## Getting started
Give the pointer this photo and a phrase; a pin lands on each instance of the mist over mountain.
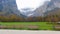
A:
(40, 10)
(35, 12)
(46, 7)
(27, 11)
(8, 7)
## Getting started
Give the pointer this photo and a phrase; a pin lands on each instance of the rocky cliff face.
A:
(8, 7)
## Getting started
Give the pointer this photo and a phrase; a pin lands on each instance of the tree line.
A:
(49, 18)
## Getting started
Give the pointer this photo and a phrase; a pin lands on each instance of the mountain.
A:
(53, 8)
(40, 10)
(53, 4)
(47, 7)
(54, 12)
(26, 11)
(8, 7)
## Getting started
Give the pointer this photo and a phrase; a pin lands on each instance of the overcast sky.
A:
(29, 3)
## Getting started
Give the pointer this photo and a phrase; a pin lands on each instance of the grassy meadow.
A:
(26, 25)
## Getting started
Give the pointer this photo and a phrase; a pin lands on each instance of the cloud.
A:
(29, 3)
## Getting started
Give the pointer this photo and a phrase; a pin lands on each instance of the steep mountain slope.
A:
(53, 4)
(40, 10)
(53, 8)
(48, 6)
(26, 11)
(8, 7)
(53, 12)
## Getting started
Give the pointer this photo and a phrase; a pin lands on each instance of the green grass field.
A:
(41, 25)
